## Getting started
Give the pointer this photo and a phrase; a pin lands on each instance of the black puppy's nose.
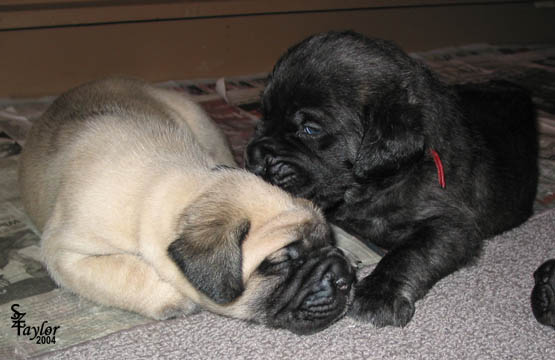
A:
(256, 156)
(256, 165)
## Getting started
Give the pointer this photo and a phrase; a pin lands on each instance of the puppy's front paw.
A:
(381, 302)
(543, 294)
(174, 311)
(168, 304)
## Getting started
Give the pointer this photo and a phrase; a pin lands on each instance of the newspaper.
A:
(234, 105)
(360, 254)
(78, 320)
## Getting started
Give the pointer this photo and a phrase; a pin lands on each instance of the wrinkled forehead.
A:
(312, 98)
(303, 225)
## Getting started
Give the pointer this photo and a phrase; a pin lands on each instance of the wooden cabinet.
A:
(47, 46)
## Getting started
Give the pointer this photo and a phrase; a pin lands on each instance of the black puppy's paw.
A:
(543, 294)
(382, 302)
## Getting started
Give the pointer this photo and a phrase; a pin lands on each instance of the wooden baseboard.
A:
(49, 59)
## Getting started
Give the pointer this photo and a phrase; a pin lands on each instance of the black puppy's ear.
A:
(393, 137)
(208, 251)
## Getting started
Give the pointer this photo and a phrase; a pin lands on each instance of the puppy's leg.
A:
(120, 280)
(435, 249)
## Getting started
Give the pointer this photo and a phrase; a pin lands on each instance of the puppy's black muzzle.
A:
(317, 293)
(335, 281)
(264, 159)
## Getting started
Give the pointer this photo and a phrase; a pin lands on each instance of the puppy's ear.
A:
(393, 137)
(208, 250)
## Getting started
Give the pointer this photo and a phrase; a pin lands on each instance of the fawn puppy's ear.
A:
(208, 249)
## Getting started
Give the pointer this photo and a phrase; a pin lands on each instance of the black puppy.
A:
(543, 294)
(397, 158)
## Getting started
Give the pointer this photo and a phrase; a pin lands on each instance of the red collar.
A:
(439, 166)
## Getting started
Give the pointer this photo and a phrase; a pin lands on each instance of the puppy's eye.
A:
(283, 260)
(311, 130)
(274, 266)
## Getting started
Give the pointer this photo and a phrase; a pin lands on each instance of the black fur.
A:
(373, 115)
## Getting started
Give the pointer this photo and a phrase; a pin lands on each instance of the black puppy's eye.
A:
(259, 127)
(311, 130)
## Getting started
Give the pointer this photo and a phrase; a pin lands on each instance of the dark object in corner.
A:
(543, 294)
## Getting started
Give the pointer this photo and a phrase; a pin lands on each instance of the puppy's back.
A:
(107, 124)
(503, 119)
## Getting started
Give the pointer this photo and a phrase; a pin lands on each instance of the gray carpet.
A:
(482, 312)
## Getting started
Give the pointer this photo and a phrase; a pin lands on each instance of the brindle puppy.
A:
(397, 158)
